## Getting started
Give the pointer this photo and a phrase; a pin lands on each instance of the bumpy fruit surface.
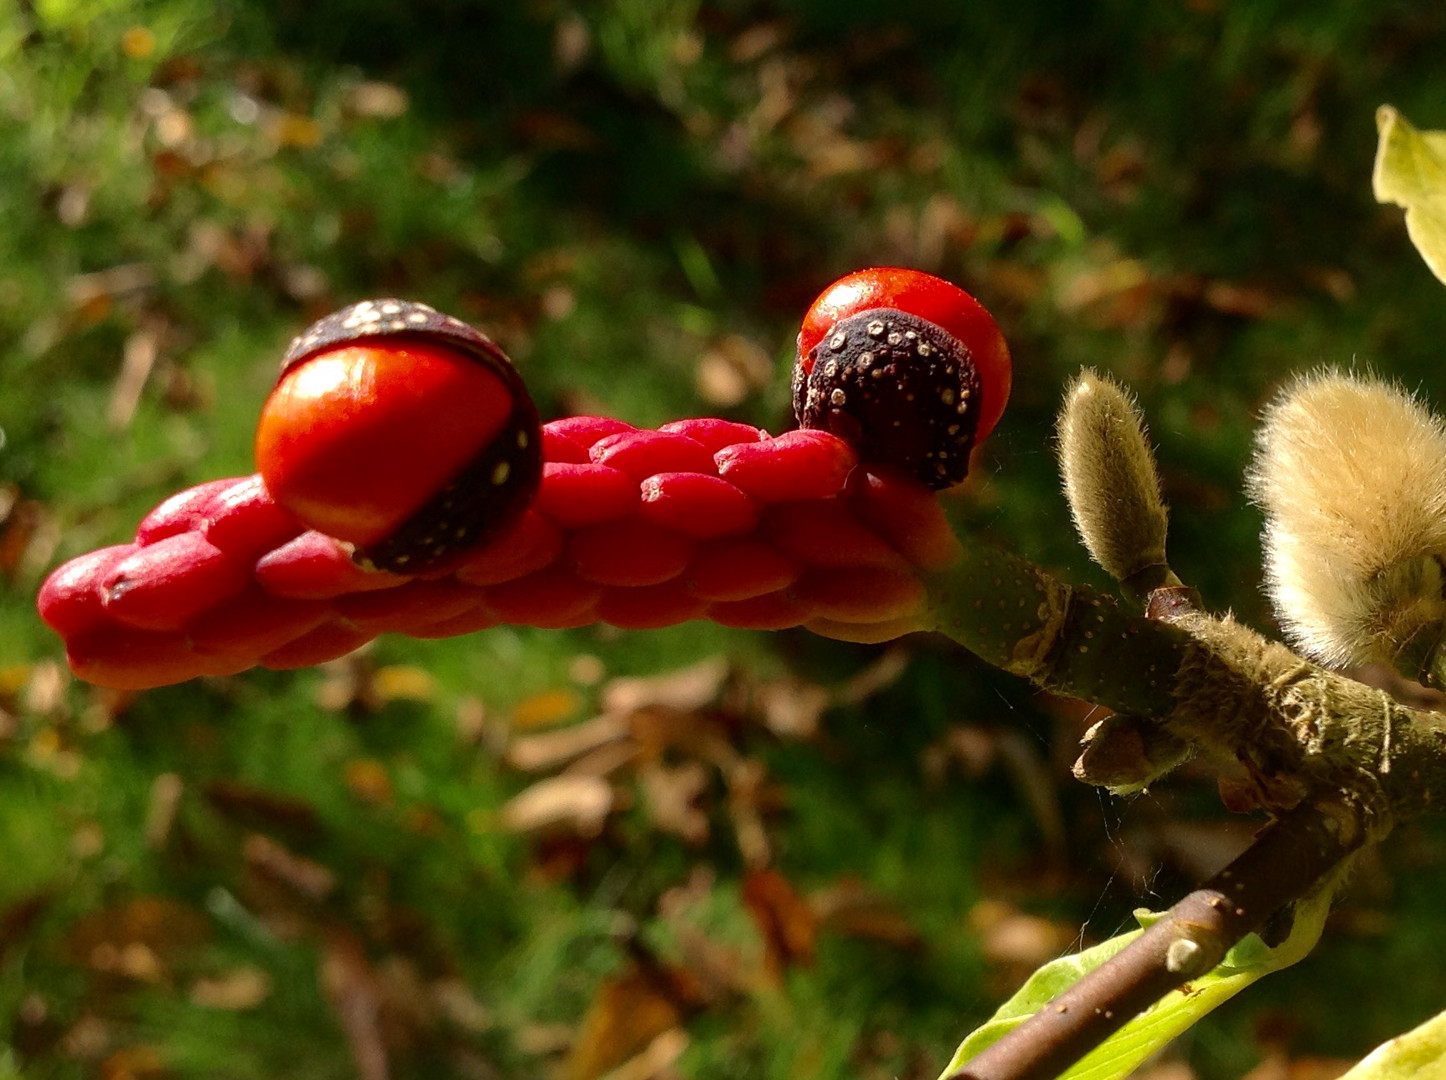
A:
(401, 431)
(763, 533)
(907, 367)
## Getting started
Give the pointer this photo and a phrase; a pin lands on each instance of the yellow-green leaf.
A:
(1249, 960)
(1420, 1054)
(1411, 172)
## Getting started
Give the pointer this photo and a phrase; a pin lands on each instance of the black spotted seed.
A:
(899, 389)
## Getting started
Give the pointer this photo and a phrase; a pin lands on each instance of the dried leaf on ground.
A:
(784, 919)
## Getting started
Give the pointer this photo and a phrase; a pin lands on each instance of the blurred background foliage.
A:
(689, 852)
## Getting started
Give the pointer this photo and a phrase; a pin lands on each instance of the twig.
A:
(1289, 856)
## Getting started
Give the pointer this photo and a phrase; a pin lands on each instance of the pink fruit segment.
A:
(70, 601)
(698, 505)
(649, 607)
(826, 534)
(703, 518)
(642, 453)
(576, 495)
(162, 586)
(631, 552)
(182, 511)
(316, 567)
(244, 522)
(739, 570)
(253, 624)
(715, 434)
(327, 642)
(797, 465)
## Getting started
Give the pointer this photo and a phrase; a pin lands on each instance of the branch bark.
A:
(1289, 857)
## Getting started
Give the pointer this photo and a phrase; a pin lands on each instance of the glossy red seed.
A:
(796, 465)
(697, 505)
(739, 569)
(71, 601)
(316, 567)
(354, 440)
(629, 552)
(715, 434)
(640, 454)
(577, 495)
(162, 586)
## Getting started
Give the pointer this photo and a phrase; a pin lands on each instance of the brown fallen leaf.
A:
(627, 1013)
(350, 985)
(275, 863)
(784, 919)
(576, 803)
(671, 794)
(553, 749)
(235, 991)
(853, 909)
(686, 689)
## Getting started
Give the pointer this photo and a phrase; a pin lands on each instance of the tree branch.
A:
(1288, 858)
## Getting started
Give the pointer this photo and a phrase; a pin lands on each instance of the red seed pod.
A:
(402, 431)
(910, 369)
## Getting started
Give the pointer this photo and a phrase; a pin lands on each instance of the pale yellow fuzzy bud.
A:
(1351, 474)
(1110, 480)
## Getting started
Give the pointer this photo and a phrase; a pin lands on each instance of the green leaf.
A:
(1418, 1054)
(1411, 172)
(1249, 960)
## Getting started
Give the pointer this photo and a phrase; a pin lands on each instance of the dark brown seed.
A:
(899, 389)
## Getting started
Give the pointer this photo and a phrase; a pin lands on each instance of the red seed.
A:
(640, 454)
(245, 522)
(586, 430)
(630, 552)
(739, 570)
(71, 600)
(531, 544)
(863, 594)
(253, 624)
(906, 514)
(772, 611)
(553, 598)
(796, 465)
(408, 607)
(183, 511)
(316, 567)
(824, 532)
(649, 607)
(576, 495)
(697, 505)
(127, 659)
(715, 434)
(166, 584)
(328, 641)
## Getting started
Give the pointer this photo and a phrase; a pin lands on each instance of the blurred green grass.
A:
(638, 198)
